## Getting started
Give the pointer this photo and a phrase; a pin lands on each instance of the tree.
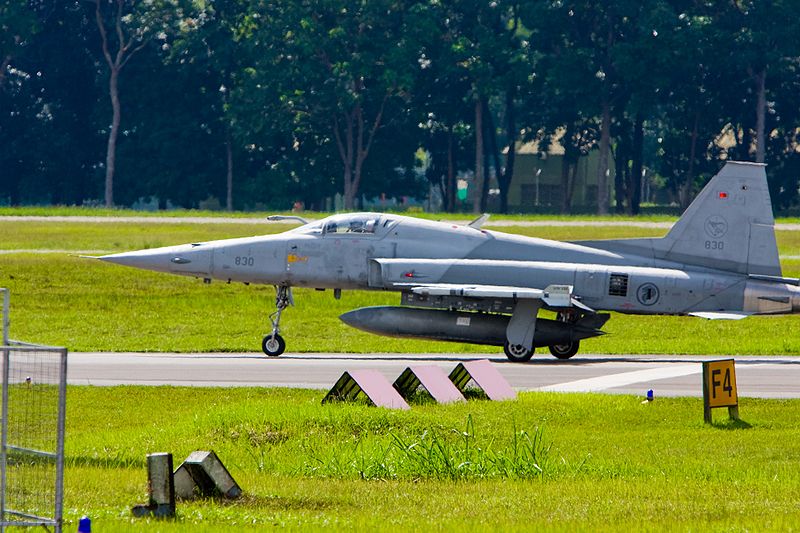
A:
(763, 37)
(125, 29)
(48, 140)
(213, 43)
(357, 64)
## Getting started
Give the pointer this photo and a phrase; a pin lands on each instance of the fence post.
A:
(6, 297)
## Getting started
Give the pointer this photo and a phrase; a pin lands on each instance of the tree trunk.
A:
(355, 148)
(111, 152)
(451, 172)
(637, 164)
(620, 162)
(229, 177)
(685, 194)
(124, 53)
(761, 108)
(504, 179)
(602, 166)
(345, 147)
(479, 177)
(747, 143)
(569, 170)
(491, 133)
(487, 175)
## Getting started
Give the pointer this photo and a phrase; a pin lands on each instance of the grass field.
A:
(601, 462)
(87, 305)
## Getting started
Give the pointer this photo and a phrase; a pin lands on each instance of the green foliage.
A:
(311, 99)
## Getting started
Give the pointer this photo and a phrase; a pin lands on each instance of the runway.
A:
(763, 376)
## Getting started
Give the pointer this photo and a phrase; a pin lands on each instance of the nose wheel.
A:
(273, 344)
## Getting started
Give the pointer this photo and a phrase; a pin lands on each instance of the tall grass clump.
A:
(453, 455)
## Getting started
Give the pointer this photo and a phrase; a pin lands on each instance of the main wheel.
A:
(565, 351)
(517, 352)
(273, 345)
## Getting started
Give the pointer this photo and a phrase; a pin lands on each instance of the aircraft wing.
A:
(558, 296)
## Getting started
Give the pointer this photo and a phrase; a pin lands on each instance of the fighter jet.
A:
(467, 284)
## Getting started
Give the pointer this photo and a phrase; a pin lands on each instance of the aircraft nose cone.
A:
(176, 259)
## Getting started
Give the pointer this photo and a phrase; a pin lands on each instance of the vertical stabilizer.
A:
(729, 226)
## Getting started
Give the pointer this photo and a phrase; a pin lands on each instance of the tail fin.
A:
(729, 226)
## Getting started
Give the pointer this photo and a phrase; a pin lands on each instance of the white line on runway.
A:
(50, 251)
(626, 378)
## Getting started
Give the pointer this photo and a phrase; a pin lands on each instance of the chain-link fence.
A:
(32, 446)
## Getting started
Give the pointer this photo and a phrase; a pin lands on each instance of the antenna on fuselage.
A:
(277, 218)
(478, 222)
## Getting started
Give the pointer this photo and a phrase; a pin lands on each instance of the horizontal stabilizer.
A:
(720, 316)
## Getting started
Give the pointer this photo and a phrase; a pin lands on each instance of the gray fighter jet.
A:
(466, 284)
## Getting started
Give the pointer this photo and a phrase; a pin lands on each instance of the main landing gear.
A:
(517, 353)
(273, 344)
(565, 351)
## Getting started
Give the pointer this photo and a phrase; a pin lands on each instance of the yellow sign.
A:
(719, 387)
(721, 383)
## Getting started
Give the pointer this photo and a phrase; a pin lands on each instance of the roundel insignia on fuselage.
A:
(647, 294)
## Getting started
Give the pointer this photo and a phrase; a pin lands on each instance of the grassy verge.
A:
(605, 462)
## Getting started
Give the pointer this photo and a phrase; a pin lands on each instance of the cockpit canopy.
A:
(350, 224)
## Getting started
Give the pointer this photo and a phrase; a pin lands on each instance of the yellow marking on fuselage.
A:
(292, 258)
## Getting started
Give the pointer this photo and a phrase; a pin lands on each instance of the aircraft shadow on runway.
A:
(544, 361)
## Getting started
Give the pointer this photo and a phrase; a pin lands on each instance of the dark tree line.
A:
(261, 103)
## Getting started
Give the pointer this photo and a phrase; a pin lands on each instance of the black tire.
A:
(565, 351)
(517, 353)
(273, 347)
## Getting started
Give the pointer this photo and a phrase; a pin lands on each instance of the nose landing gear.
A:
(273, 344)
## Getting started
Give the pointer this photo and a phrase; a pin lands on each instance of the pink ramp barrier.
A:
(485, 376)
(372, 383)
(433, 379)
